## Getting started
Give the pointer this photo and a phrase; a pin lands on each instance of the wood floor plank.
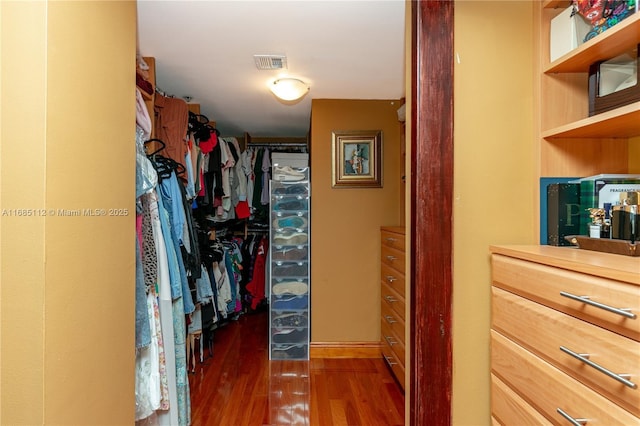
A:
(338, 415)
(239, 386)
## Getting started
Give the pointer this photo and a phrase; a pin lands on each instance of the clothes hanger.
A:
(168, 165)
(197, 122)
(203, 119)
(160, 164)
(161, 142)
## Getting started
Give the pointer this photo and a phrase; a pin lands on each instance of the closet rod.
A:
(297, 146)
(258, 230)
(259, 144)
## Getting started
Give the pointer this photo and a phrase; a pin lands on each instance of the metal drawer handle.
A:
(388, 359)
(622, 378)
(390, 278)
(574, 422)
(391, 258)
(625, 312)
(390, 299)
(390, 340)
(389, 319)
(391, 240)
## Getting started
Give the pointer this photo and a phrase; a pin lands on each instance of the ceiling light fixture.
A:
(289, 89)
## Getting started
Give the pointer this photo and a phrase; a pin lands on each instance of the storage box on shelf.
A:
(289, 272)
(614, 83)
(393, 304)
(568, 30)
(556, 352)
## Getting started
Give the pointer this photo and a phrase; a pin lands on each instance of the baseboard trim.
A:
(344, 350)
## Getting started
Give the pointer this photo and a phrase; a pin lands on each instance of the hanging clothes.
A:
(166, 416)
(171, 198)
(163, 292)
(172, 123)
(142, 330)
(256, 287)
(258, 209)
(266, 178)
(248, 158)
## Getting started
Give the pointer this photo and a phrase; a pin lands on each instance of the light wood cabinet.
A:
(565, 333)
(553, 354)
(393, 302)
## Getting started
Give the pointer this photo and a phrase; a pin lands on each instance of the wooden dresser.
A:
(392, 292)
(565, 337)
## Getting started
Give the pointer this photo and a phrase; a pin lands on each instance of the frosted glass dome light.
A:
(289, 89)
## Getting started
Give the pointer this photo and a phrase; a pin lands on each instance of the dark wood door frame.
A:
(431, 211)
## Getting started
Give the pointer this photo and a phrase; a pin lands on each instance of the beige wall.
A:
(345, 223)
(67, 142)
(494, 182)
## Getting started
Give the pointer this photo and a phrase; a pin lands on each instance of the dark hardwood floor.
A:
(239, 386)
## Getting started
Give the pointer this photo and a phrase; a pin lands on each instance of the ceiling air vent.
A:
(270, 62)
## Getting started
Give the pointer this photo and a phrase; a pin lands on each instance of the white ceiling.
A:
(204, 49)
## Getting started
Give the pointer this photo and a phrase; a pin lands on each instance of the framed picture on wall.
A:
(357, 159)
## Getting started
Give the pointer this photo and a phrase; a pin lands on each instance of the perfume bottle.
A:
(605, 231)
(597, 222)
(625, 222)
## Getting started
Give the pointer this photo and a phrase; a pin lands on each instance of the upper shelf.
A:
(613, 42)
(622, 122)
(552, 4)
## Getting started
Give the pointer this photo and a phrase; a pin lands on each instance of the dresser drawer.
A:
(393, 320)
(392, 239)
(393, 300)
(394, 340)
(396, 364)
(393, 279)
(544, 331)
(545, 284)
(510, 409)
(549, 389)
(393, 258)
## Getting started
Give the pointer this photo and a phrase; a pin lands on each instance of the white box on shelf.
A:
(292, 159)
(568, 31)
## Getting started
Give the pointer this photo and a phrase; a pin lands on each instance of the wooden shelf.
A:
(570, 142)
(554, 4)
(623, 122)
(613, 42)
